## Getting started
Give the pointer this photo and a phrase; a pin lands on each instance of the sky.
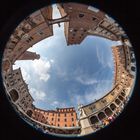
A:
(67, 76)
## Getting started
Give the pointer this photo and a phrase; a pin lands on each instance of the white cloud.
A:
(55, 103)
(41, 68)
(37, 94)
(52, 61)
(86, 81)
(91, 94)
(105, 60)
(102, 88)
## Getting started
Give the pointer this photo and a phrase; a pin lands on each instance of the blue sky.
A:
(66, 76)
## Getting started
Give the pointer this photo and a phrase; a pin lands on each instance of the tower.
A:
(29, 56)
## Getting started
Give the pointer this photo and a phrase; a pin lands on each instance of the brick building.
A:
(86, 20)
(17, 91)
(61, 117)
(29, 32)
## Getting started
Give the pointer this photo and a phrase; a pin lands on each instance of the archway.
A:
(108, 112)
(121, 98)
(101, 115)
(14, 95)
(29, 113)
(113, 107)
(94, 120)
(123, 94)
(117, 101)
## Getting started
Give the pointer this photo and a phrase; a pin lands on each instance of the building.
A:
(29, 32)
(61, 117)
(18, 92)
(29, 56)
(97, 114)
(122, 65)
(80, 21)
(62, 121)
(85, 20)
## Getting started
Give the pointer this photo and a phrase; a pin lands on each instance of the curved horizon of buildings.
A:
(79, 22)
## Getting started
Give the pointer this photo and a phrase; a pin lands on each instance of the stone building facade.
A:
(18, 92)
(97, 114)
(86, 20)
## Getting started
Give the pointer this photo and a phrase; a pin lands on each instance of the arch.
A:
(123, 94)
(108, 111)
(14, 95)
(94, 120)
(121, 98)
(117, 101)
(113, 106)
(101, 115)
(29, 113)
(133, 68)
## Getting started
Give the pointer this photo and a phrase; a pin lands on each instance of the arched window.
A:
(113, 106)
(117, 101)
(121, 98)
(81, 15)
(108, 112)
(29, 113)
(133, 68)
(94, 120)
(101, 116)
(123, 94)
(14, 95)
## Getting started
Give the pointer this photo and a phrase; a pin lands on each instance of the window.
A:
(133, 68)
(65, 120)
(85, 30)
(65, 125)
(65, 114)
(122, 93)
(113, 107)
(117, 101)
(94, 120)
(59, 114)
(52, 119)
(71, 114)
(108, 112)
(121, 98)
(93, 18)
(73, 34)
(40, 33)
(101, 116)
(18, 79)
(72, 119)
(58, 119)
(81, 15)
(58, 125)
(75, 30)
